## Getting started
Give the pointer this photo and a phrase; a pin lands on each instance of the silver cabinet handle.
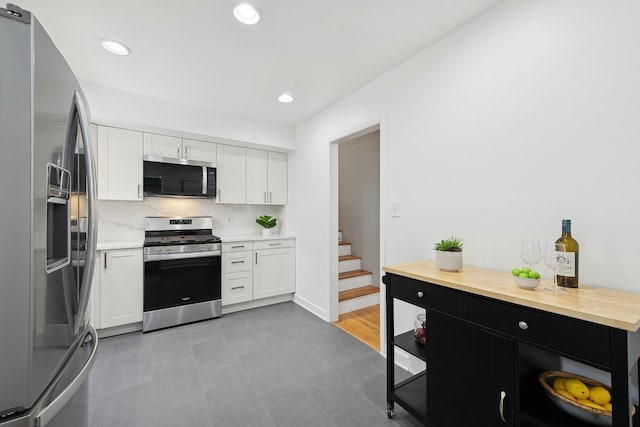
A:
(523, 325)
(270, 197)
(219, 193)
(237, 262)
(275, 244)
(237, 247)
(265, 197)
(105, 260)
(178, 148)
(237, 287)
(420, 294)
(186, 151)
(139, 191)
(256, 258)
(501, 406)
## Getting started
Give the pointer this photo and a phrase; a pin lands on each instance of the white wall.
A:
(125, 109)
(359, 198)
(526, 115)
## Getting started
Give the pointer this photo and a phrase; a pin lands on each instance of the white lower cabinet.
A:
(237, 273)
(120, 284)
(274, 268)
(266, 271)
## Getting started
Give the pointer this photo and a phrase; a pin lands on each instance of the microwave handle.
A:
(204, 180)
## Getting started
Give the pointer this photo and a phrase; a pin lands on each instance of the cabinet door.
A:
(257, 177)
(273, 272)
(121, 281)
(277, 178)
(470, 365)
(119, 164)
(231, 174)
(162, 146)
(199, 151)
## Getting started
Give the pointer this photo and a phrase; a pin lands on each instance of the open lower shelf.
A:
(408, 343)
(411, 394)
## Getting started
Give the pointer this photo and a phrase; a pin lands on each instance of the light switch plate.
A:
(395, 209)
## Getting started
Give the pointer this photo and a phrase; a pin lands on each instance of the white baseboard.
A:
(227, 309)
(313, 308)
(119, 330)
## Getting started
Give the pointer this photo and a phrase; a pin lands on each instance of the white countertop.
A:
(106, 245)
(228, 237)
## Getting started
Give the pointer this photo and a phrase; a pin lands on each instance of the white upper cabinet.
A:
(231, 174)
(266, 177)
(277, 178)
(162, 146)
(119, 164)
(199, 151)
(172, 148)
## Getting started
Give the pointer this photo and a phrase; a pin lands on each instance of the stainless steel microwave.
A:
(178, 180)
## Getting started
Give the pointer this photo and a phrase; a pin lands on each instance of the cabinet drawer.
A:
(237, 287)
(236, 261)
(571, 336)
(273, 244)
(427, 295)
(237, 246)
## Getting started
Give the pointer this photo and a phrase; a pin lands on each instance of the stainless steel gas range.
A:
(182, 271)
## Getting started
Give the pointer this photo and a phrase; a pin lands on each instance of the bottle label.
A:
(566, 262)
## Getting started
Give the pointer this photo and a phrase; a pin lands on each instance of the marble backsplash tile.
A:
(124, 221)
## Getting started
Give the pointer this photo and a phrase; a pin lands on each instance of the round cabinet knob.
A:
(420, 294)
(523, 325)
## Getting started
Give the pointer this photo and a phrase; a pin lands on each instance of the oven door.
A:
(181, 279)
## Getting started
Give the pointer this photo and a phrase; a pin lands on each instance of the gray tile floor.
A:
(277, 366)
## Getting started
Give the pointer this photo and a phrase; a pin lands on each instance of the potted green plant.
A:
(449, 254)
(268, 222)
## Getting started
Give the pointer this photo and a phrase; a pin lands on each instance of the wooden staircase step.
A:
(343, 242)
(353, 273)
(357, 292)
(348, 257)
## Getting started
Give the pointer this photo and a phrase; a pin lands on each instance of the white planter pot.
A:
(266, 232)
(449, 261)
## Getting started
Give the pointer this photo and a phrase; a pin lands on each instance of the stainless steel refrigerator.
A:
(47, 231)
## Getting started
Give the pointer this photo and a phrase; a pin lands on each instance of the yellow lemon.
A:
(608, 407)
(566, 394)
(587, 402)
(558, 383)
(577, 388)
(600, 395)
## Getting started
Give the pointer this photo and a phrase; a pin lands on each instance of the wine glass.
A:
(551, 260)
(530, 252)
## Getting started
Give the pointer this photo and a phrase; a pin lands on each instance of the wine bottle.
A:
(567, 273)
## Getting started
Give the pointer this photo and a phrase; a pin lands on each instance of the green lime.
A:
(516, 272)
(525, 270)
(524, 275)
(534, 275)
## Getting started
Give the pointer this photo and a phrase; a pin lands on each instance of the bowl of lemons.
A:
(582, 397)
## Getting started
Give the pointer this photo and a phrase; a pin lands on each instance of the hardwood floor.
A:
(363, 324)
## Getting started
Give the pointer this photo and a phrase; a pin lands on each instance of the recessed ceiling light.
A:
(285, 98)
(246, 13)
(115, 47)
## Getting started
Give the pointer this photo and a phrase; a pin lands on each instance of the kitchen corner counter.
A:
(118, 244)
(229, 238)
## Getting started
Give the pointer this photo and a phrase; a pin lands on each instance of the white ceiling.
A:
(194, 52)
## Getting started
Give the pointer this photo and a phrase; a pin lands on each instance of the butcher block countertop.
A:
(607, 307)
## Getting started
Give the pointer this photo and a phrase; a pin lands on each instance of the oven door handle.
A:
(183, 255)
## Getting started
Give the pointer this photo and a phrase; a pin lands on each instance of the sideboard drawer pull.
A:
(523, 325)
(420, 294)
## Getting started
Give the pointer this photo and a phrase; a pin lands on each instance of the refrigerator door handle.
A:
(47, 413)
(92, 222)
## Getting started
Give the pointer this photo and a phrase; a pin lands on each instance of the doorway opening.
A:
(359, 236)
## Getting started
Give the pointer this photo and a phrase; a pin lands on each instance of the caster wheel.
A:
(389, 413)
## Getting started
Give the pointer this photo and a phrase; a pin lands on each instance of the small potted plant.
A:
(268, 222)
(449, 254)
